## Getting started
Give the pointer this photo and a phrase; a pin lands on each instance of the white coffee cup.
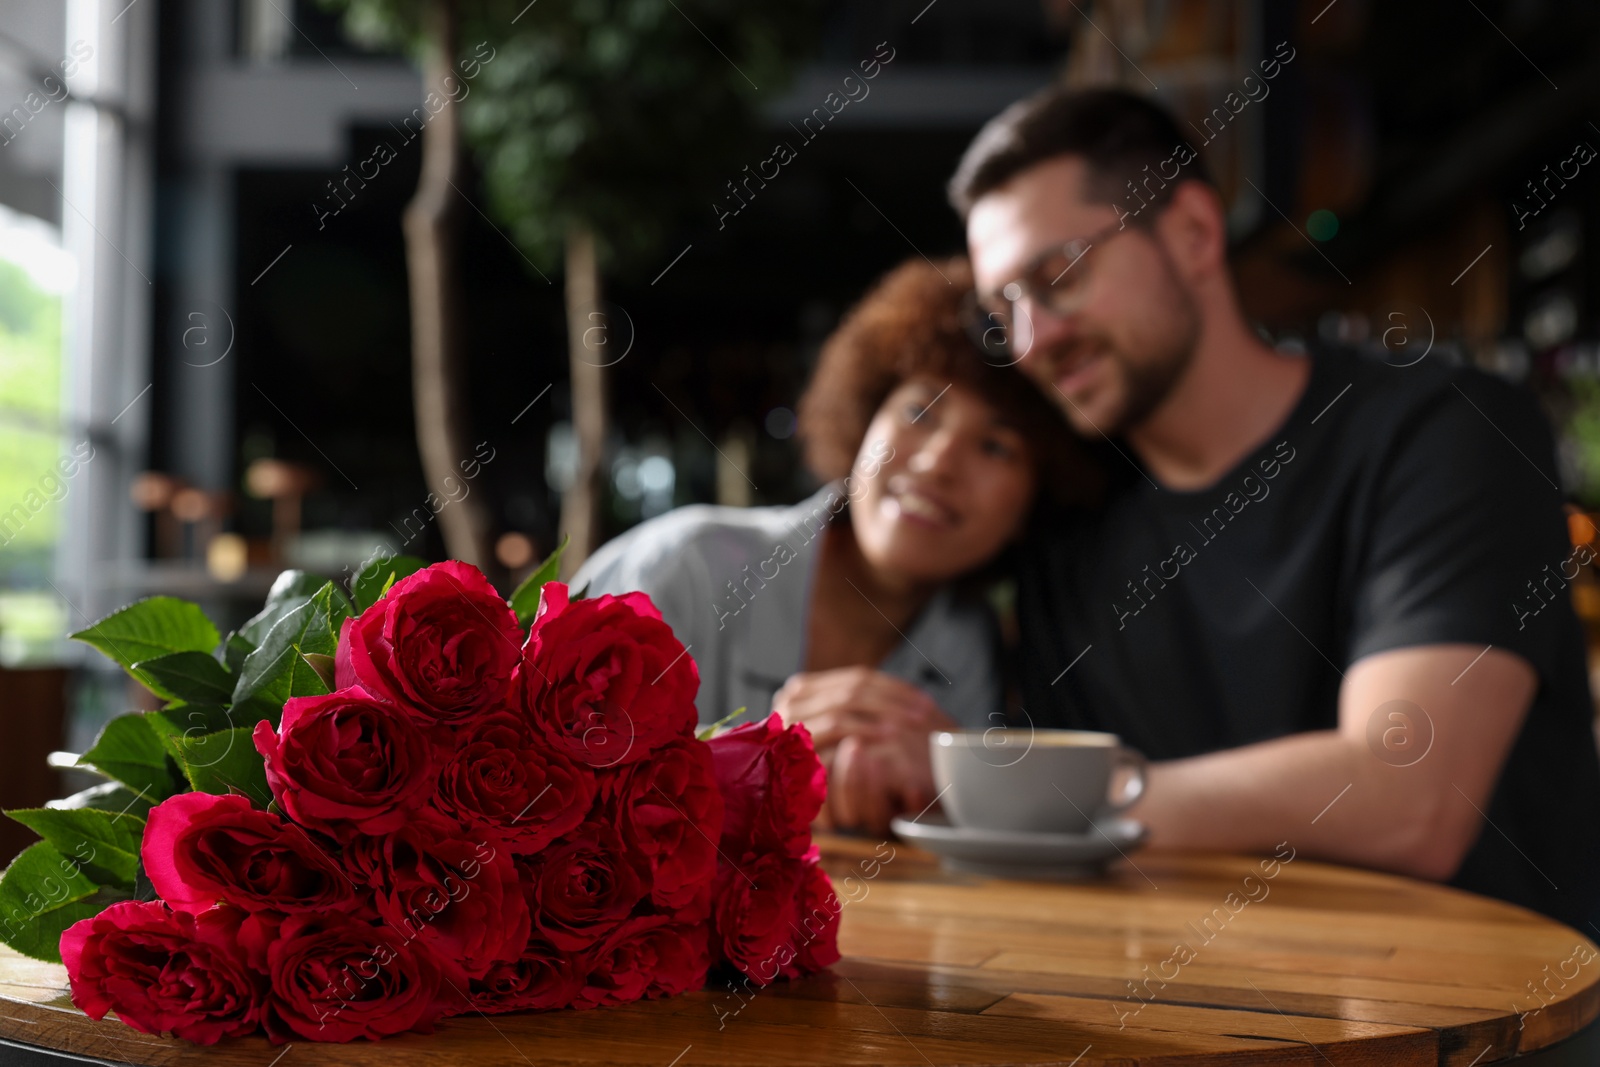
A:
(1040, 781)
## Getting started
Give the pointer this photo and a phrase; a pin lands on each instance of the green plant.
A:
(215, 690)
(598, 124)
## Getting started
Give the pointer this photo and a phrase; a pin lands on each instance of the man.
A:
(1321, 595)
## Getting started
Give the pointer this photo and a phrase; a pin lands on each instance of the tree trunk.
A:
(437, 361)
(580, 506)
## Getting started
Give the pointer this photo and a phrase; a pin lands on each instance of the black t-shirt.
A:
(1396, 506)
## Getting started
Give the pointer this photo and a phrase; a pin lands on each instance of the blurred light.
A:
(1322, 224)
(625, 474)
(32, 628)
(191, 505)
(1351, 327)
(656, 474)
(227, 556)
(152, 490)
(561, 457)
(514, 550)
(1551, 252)
(1552, 321)
(268, 479)
(1511, 359)
(781, 423)
(35, 246)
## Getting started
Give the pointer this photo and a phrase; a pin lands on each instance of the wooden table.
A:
(1314, 965)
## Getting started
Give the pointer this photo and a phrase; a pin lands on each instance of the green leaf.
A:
(225, 762)
(149, 628)
(103, 843)
(190, 676)
(298, 678)
(525, 601)
(189, 720)
(233, 651)
(711, 731)
(292, 589)
(305, 679)
(325, 668)
(130, 750)
(321, 634)
(41, 894)
(107, 796)
(376, 575)
(277, 670)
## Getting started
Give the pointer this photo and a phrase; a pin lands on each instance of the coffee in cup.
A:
(1030, 780)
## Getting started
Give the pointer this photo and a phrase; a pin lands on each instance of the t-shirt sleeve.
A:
(661, 561)
(1466, 512)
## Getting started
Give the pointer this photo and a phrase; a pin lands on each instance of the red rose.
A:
(335, 978)
(540, 979)
(773, 786)
(772, 917)
(161, 970)
(818, 921)
(460, 899)
(605, 679)
(507, 784)
(199, 849)
(442, 644)
(584, 886)
(346, 764)
(669, 810)
(649, 956)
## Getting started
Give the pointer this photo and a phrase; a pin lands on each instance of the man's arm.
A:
(1336, 796)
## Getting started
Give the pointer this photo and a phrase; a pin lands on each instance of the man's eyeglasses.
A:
(1056, 281)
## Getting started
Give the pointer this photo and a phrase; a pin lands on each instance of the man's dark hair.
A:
(1118, 134)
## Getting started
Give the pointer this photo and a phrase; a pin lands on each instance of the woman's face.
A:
(941, 482)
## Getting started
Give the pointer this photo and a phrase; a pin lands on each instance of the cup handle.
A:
(1134, 789)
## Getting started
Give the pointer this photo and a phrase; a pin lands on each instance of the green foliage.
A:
(107, 796)
(30, 385)
(1583, 429)
(277, 670)
(377, 575)
(149, 629)
(292, 589)
(709, 732)
(130, 750)
(188, 720)
(225, 762)
(525, 601)
(201, 739)
(620, 115)
(189, 676)
(105, 844)
(41, 894)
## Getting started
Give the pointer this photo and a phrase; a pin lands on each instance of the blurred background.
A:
(288, 282)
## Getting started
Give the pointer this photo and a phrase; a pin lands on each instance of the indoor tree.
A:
(598, 126)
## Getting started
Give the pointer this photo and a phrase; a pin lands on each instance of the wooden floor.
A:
(1317, 965)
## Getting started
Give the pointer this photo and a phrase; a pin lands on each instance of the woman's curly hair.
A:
(912, 323)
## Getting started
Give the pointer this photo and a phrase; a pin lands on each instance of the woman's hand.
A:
(857, 702)
(871, 730)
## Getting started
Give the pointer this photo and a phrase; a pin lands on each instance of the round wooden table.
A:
(1170, 959)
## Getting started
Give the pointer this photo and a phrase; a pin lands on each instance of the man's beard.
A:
(1146, 380)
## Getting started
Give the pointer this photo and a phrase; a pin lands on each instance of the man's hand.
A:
(871, 730)
(1338, 794)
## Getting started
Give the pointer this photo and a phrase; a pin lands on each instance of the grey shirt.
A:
(735, 586)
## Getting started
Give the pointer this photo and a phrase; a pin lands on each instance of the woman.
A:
(855, 611)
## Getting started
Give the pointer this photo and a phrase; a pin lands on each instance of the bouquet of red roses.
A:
(375, 812)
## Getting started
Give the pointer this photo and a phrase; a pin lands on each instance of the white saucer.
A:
(1019, 854)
